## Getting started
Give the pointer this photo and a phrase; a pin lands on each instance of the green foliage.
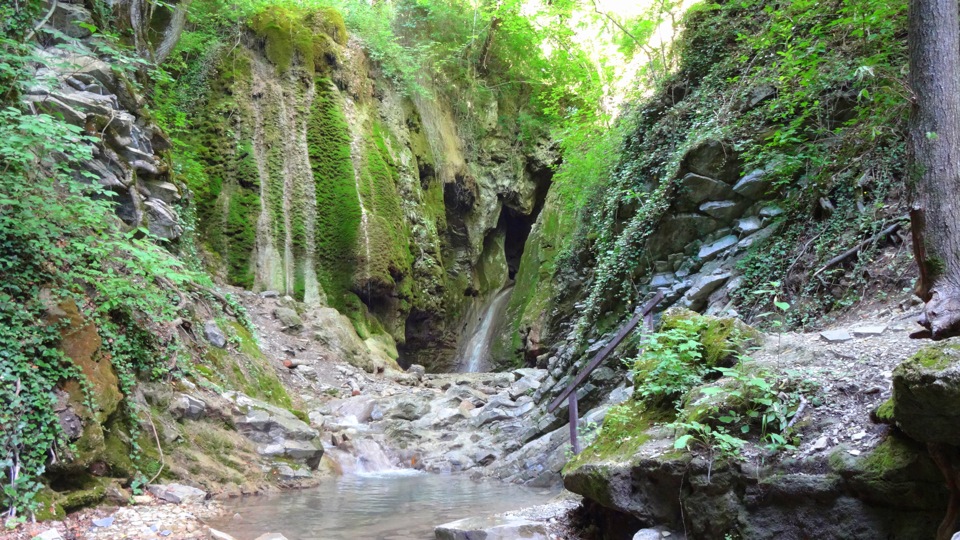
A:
(670, 363)
(338, 206)
(311, 34)
(61, 243)
(810, 92)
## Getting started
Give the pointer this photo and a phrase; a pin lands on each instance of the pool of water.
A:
(398, 505)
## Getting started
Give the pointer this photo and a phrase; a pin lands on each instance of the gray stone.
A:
(491, 528)
(754, 185)
(417, 371)
(696, 189)
(269, 294)
(291, 321)
(835, 336)
(725, 211)
(869, 331)
(68, 17)
(408, 409)
(758, 95)
(177, 493)
(711, 158)
(678, 230)
(103, 522)
(214, 335)
(695, 298)
(277, 431)
(165, 191)
(57, 108)
(711, 251)
(187, 406)
(647, 534)
(162, 221)
(748, 225)
(271, 536)
(666, 279)
(770, 211)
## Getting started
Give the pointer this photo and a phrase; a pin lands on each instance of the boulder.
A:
(162, 221)
(712, 250)
(213, 534)
(676, 231)
(696, 189)
(711, 158)
(492, 528)
(177, 493)
(696, 297)
(754, 185)
(725, 211)
(289, 319)
(214, 335)
(277, 431)
(187, 406)
(926, 395)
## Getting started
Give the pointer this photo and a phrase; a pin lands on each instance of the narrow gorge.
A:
(329, 269)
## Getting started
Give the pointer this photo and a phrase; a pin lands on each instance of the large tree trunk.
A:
(933, 170)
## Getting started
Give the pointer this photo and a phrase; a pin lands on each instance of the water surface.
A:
(398, 505)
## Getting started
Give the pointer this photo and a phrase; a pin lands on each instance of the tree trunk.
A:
(933, 169)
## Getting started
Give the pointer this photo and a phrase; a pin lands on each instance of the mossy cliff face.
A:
(324, 182)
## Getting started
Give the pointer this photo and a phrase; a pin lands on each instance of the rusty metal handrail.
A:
(645, 314)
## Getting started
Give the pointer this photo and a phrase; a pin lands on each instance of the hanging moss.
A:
(389, 235)
(338, 208)
(313, 36)
(221, 172)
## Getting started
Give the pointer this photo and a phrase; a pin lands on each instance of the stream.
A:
(394, 505)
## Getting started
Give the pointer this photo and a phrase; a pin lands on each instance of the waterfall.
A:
(361, 456)
(474, 355)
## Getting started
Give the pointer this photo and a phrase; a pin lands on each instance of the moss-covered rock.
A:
(926, 395)
(722, 338)
(313, 36)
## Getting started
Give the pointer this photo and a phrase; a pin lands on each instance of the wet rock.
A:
(492, 528)
(835, 336)
(177, 493)
(187, 406)
(291, 321)
(754, 185)
(214, 335)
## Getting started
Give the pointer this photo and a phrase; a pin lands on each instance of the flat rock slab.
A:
(835, 336)
(869, 331)
(491, 528)
(177, 493)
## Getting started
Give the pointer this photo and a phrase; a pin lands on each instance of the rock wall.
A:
(324, 181)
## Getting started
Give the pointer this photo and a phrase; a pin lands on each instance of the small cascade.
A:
(361, 456)
(474, 355)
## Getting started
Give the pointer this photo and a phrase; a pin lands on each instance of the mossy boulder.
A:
(897, 473)
(312, 36)
(926, 395)
(722, 338)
